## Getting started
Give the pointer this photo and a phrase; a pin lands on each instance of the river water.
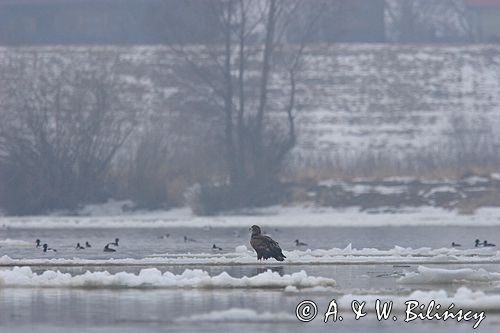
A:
(158, 310)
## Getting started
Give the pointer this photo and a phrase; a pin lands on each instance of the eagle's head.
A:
(255, 229)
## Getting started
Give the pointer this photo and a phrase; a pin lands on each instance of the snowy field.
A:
(354, 98)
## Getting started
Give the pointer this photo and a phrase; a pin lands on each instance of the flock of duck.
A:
(264, 246)
(477, 243)
(107, 248)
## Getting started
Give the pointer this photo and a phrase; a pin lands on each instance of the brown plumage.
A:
(265, 246)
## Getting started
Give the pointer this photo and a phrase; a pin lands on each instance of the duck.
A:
(478, 243)
(486, 244)
(46, 248)
(79, 247)
(299, 243)
(115, 243)
(87, 244)
(187, 239)
(215, 247)
(164, 236)
(108, 249)
(453, 244)
(37, 242)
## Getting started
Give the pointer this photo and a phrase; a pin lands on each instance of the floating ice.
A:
(291, 290)
(463, 298)
(243, 256)
(153, 278)
(425, 275)
(15, 243)
(239, 315)
(241, 249)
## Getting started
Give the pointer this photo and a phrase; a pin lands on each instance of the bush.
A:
(213, 199)
(59, 132)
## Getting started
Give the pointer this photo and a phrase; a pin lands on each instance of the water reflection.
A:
(277, 269)
(49, 310)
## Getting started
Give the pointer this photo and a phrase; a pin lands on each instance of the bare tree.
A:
(235, 76)
(60, 129)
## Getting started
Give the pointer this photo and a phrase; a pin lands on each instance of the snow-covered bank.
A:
(426, 275)
(271, 217)
(244, 256)
(153, 278)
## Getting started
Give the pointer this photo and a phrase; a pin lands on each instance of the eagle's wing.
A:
(267, 247)
(271, 242)
(259, 243)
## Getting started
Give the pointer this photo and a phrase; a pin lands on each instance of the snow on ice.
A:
(14, 243)
(426, 275)
(244, 256)
(462, 298)
(154, 278)
(239, 315)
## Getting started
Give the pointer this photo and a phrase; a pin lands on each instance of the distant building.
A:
(344, 21)
(42, 22)
(359, 21)
(46, 22)
(485, 16)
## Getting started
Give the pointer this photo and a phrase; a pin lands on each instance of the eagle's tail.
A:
(279, 256)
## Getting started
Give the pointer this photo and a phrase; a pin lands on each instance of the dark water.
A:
(118, 310)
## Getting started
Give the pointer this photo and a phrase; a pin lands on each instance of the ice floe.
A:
(244, 256)
(462, 298)
(239, 315)
(426, 275)
(241, 249)
(154, 278)
(15, 243)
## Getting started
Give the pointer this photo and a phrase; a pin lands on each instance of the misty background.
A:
(228, 104)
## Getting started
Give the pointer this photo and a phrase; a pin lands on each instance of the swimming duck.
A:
(108, 249)
(115, 243)
(216, 247)
(478, 243)
(87, 244)
(37, 242)
(299, 243)
(79, 247)
(453, 244)
(164, 236)
(486, 244)
(46, 248)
